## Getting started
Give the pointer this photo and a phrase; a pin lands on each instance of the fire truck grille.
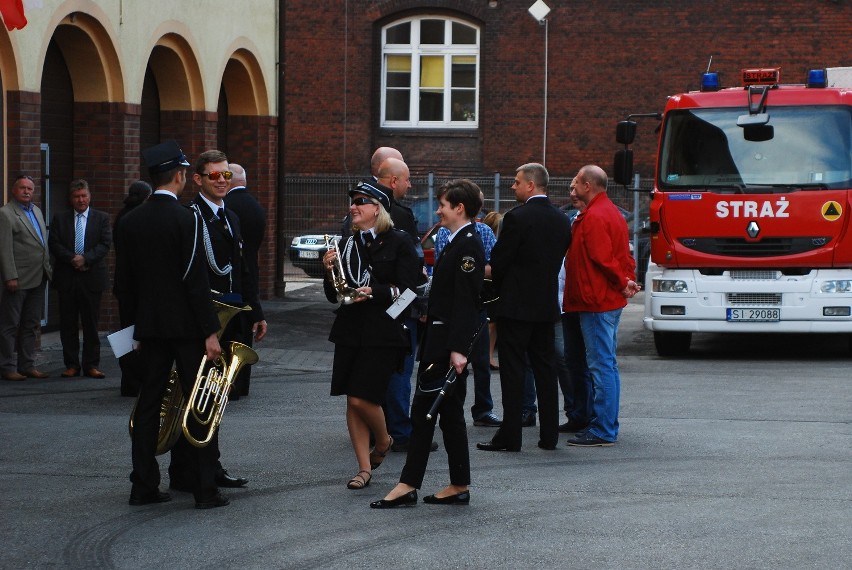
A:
(767, 247)
(754, 275)
(754, 299)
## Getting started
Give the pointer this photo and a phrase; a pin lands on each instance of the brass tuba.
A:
(209, 396)
(346, 295)
(173, 402)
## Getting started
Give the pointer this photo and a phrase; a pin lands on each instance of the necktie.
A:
(78, 235)
(222, 219)
(367, 237)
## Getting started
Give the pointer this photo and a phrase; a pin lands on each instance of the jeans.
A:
(398, 395)
(600, 332)
(483, 404)
(528, 402)
(562, 374)
(579, 392)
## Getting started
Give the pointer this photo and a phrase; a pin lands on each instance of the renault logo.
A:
(752, 229)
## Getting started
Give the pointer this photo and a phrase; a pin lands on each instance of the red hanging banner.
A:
(13, 14)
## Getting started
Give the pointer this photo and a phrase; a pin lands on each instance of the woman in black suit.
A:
(370, 345)
(452, 321)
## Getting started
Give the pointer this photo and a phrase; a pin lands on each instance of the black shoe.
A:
(403, 447)
(488, 420)
(572, 426)
(211, 501)
(462, 498)
(225, 480)
(407, 500)
(138, 499)
(546, 446)
(527, 418)
(588, 440)
(492, 446)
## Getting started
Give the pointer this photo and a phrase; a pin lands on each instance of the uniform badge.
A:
(468, 264)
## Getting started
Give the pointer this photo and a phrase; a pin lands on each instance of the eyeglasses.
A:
(362, 201)
(227, 174)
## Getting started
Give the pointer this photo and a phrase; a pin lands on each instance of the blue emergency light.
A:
(710, 81)
(817, 78)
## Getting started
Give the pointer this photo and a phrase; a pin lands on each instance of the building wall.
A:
(605, 60)
(74, 77)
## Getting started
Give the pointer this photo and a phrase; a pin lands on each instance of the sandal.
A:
(376, 456)
(359, 481)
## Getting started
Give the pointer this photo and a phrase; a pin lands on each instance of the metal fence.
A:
(318, 204)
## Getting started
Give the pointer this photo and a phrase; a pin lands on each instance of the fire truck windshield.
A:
(799, 148)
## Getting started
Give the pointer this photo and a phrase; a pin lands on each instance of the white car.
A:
(306, 252)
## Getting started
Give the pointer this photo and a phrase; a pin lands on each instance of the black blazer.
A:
(392, 261)
(96, 244)
(161, 277)
(252, 226)
(228, 248)
(526, 259)
(454, 298)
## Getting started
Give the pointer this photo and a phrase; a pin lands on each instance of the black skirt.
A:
(364, 371)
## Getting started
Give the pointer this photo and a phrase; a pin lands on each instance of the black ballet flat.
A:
(407, 500)
(462, 498)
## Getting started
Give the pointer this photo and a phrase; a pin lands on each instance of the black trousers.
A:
(515, 339)
(131, 364)
(451, 420)
(76, 303)
(158, 356)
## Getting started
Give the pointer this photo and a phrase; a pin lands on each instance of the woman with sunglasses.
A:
(370, 345)
(452, 324)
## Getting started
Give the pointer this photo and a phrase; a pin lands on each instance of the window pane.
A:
(432, 71)
(399, 34)
(398, 71)
(463, 105)
(432, 32)
(431, 106)
(397, 104)
(463, 71)
(463, 34)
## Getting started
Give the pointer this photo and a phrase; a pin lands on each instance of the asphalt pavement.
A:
(734, 457)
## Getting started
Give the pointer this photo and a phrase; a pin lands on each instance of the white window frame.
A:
(415, 50)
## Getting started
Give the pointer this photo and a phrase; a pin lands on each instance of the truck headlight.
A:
(295, 242)
(670, 286)
(836, 286)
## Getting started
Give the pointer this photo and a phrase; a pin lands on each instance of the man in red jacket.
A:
(600, 277)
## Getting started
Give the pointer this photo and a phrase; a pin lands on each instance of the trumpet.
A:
(346, 295)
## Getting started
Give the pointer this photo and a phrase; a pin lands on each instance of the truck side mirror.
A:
(625, 132)
(623, 166)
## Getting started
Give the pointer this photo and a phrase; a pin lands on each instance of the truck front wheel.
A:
(672, 343)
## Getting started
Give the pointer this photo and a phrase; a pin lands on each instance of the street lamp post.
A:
(539, 11)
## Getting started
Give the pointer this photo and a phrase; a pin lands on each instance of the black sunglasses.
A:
(362, 201)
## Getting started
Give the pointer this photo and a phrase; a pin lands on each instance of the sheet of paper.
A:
(122, 341)
(405, 298)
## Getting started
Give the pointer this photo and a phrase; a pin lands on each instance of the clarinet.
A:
(450, 377)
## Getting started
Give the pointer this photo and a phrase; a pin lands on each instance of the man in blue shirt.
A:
(24, 269)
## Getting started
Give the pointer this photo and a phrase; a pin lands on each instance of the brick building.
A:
(86, 84)
(348, 64)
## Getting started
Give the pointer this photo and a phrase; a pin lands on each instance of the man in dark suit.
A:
(162, 282)
(24, 269)
(220, 250)
(79, 242)
(252, 219)
(525, 265)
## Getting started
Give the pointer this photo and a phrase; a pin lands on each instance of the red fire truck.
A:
(750, 211)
